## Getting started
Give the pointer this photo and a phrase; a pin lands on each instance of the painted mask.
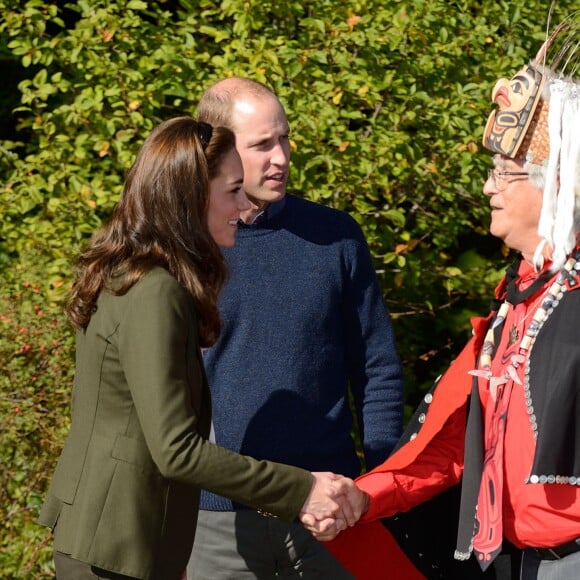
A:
(510, 128)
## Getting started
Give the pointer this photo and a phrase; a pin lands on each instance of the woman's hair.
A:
(161, 220)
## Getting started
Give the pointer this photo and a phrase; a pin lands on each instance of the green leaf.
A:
(136, 5)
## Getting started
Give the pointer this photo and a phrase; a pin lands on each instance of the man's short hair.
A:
(216, 104)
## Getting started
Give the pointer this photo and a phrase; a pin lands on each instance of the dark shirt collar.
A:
(268, 212)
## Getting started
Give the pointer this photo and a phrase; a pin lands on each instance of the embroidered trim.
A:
(461, 555)
(567, 278)
(559, 479)
(555, 294)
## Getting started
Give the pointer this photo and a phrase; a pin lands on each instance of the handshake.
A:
(334, 503)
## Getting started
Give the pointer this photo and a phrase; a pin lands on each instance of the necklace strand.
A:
(553, 296)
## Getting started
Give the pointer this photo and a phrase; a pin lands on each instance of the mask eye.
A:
(517, 88)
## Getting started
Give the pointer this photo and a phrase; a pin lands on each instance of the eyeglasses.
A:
(499, 177)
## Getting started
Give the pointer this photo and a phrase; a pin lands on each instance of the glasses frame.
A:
(499, 177)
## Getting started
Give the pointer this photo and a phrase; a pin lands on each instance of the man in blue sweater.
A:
(303, 322)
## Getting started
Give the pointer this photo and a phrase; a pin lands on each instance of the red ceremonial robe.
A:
(368, 550)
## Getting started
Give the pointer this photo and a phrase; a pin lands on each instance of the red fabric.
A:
(546, 515)
(439, 467)
(533, 514)
(495, 395)
(456, 386)
(448, 409)
(370, 552)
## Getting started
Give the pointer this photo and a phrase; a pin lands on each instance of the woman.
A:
(123, 500)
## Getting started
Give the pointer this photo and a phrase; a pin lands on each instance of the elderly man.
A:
(505, 418)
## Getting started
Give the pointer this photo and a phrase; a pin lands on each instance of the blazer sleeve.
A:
(157, 342)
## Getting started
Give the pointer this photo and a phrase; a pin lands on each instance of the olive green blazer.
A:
(124, 496)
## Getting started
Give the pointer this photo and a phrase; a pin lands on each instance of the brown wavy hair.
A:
(161, 220)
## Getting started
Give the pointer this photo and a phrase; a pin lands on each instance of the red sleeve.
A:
(436, 468)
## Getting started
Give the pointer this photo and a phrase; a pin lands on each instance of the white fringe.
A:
(561, 194)
(564, 235)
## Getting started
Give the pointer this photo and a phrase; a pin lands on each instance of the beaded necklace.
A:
(553, 295)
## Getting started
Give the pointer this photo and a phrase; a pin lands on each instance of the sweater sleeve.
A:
(154, 340)
(374, 366)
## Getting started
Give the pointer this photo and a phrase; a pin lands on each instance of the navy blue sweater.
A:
(303, 318)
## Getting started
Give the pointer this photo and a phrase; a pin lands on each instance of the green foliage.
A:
(36, 352)
(386, 102)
